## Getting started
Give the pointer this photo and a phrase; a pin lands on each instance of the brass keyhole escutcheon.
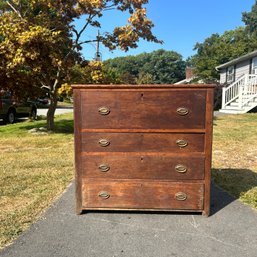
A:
(104, 194)
(104, 110)
(104, 167)
(104, 142)
(182, 111)
(180, 196)
(182, 143)
(180, 168)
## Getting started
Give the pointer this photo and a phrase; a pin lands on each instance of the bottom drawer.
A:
(142, 195)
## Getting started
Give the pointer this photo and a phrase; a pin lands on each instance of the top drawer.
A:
(171, 109)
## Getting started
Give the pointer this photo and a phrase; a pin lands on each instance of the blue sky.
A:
(179, 23)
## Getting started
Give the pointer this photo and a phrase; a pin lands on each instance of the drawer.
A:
(130, 166)
(143, 109)
(142, 142)
(142, 195)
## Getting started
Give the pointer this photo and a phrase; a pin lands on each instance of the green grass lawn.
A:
(235, 156)
(36, 169)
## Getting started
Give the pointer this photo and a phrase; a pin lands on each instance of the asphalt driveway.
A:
(230, 231)
(43, 111)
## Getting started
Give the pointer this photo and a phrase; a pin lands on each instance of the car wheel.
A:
(33, 115)
(10, 117)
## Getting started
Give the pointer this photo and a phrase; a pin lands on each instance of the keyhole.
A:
(142, 96)
(142, 158)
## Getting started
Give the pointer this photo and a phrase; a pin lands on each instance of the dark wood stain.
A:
(142, 194)
(130, 110)
(146, 142)
(142, 127)
(143, 167)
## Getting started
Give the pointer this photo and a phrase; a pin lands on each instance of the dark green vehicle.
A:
(10, 109)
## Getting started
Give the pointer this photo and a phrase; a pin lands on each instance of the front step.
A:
(232, 111)
(243, 90)
(233, 107)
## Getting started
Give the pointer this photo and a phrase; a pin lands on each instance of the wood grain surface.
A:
(142, 194)
(136, 165)
(142, 142)
(141, 109)
(131, 166)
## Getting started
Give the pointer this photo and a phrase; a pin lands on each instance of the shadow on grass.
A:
(62, 126)
(237, 183)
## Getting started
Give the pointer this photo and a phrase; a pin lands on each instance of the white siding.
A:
(242, 68)
(223, 76)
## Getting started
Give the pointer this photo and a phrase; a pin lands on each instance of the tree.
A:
(145, 78)
(39, 42)
(218, 49)
(93, 72)
(159, 67)
(250, 20)
(166, 67)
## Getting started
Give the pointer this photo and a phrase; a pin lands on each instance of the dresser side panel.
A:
(77, 148)
(208, 150)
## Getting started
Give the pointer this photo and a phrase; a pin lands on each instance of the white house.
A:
(240, 79)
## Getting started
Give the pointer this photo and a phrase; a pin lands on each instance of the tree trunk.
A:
(51, 111)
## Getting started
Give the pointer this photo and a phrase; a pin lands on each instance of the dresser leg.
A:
(79, 210)
(206, 213)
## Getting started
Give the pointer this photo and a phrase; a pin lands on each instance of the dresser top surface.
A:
(146, 86)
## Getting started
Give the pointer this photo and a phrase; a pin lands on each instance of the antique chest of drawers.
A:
(143, 147)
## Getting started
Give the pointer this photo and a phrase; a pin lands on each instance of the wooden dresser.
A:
(143, 147)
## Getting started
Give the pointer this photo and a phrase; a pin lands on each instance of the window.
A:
(230, 74)
(254, 66)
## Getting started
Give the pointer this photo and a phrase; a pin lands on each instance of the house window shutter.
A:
(250, 66)
(254, 66)
(234, 79)
(230, 74)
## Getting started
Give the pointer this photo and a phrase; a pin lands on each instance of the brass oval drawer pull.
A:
(182, 143)
(104, 195)
(104, 167)
(104, 110)
(180, 168)
(104, 142)
(182, 111)
(180, 196)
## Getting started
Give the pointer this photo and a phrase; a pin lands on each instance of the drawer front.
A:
(142, 167)
(142, 195)
(173, 109)
(142, 142)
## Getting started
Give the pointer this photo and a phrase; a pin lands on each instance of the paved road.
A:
(58, 111)
(42, 112)
(219, 114)
(229, 232)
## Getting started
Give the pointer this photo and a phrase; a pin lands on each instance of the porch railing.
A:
(244, 89)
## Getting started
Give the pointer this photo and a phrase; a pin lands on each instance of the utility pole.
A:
(98, 56)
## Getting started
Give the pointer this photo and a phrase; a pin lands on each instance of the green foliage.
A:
(145, 78)
(250, 19)
(93, 72)
(218, 49)
(158, 67)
